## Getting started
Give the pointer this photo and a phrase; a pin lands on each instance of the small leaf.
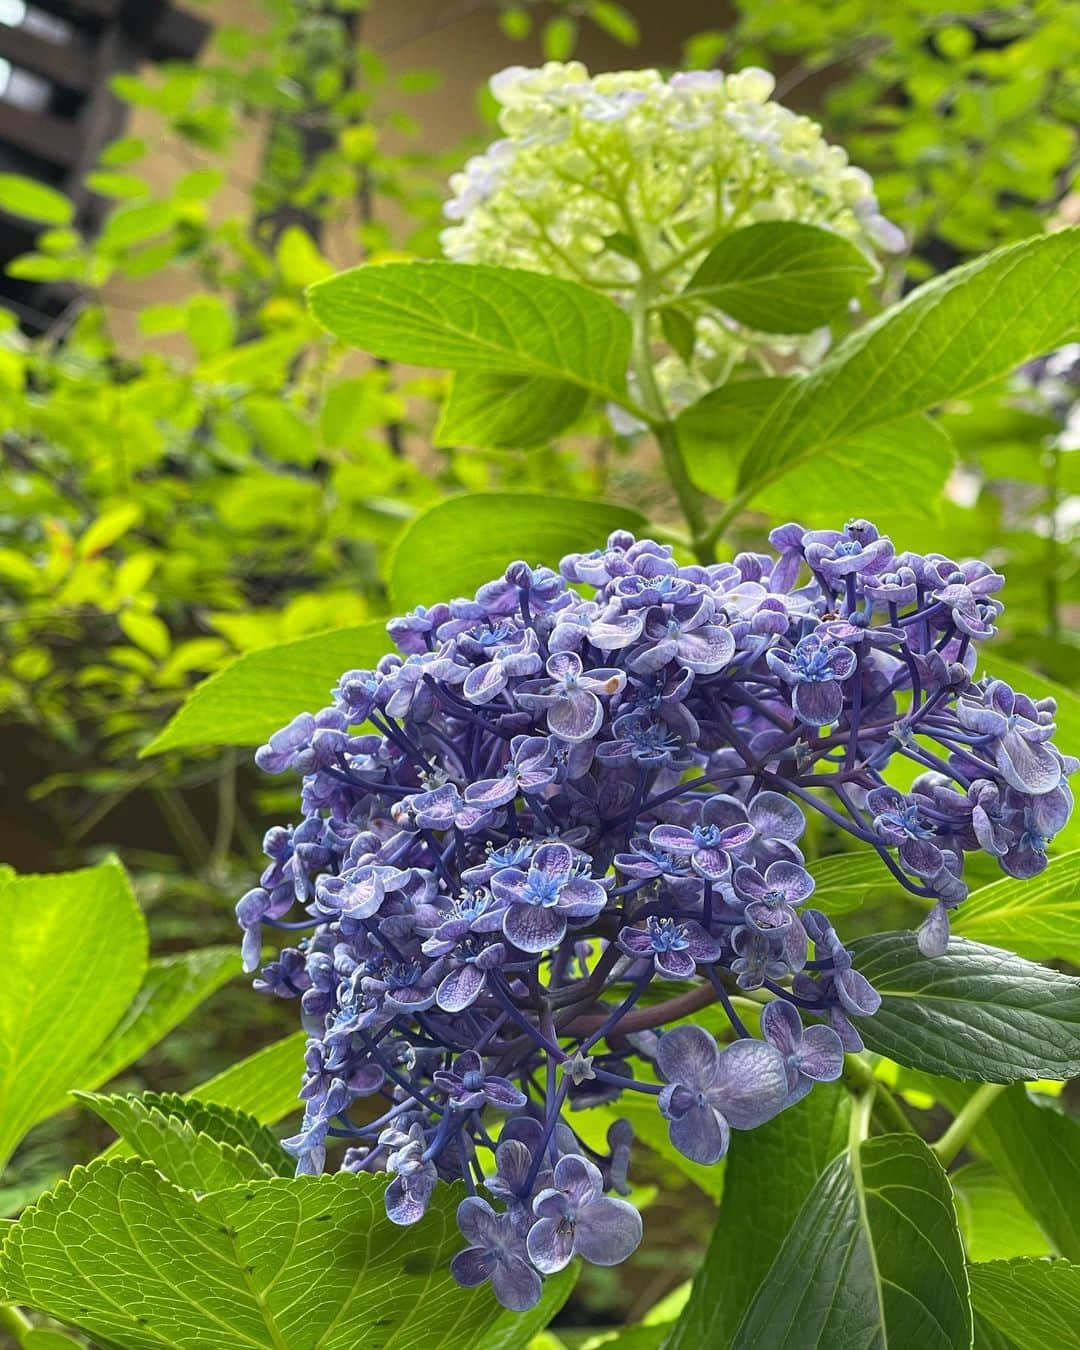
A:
(146, 630)
(61, 997)
(770, 1173)
(31, 200)
(1038, 917)
(559, 38)
(499, 412)
(956, 333)
(172, 988)
(110, 526)
(780, 276)
(616, 21)
(678, 329)
(253, 696)
(1036, 1304)
(186, 1155)
(306, 1262)
(873, 1259)
(974, 1013)
(457, 545)
(496, 320)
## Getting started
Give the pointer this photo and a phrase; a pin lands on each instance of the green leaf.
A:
(172, 987)
(61, 997)
(1036, 1150)
(465, 316)
(458, 544)
(847, 881)
(161, 1131)
(770, 1173)
(780, 276)
(943, 341)
(616, 21)
(975, 1013)
(873, 1259)
(31, 200)
(301, 1263)
(266, 1084)
(1067, 717)
(249, 699)
(993, 1221)
(1036, 1304)
(499, 412)
(1039, 917)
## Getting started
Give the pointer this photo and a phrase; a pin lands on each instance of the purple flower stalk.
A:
(548, 806)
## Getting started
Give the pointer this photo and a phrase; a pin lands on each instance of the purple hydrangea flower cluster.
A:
(553, 826)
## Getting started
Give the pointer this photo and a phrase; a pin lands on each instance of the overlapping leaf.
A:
(1038, 917)
(1034, 1305)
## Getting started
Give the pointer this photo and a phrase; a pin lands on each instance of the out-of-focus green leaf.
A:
(62, 997)
(263, 690)
(846, 881)
(456, 545)
(266, 1084)
(26, 197)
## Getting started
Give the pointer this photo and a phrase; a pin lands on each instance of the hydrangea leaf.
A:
(464, 316)
(1039, 917)
(873, 1258)
(770, 1173)
(994, 1223)
(847, 881)
(247, 700)
(1035, 1304)
(861, 470)
(130, 1259)
(189, 1154)
(266, 1084)
(172, 988)
(60, 997)
(975, 1013)
(456, 545)
(781, 276)
(497, 412)
(944, 340)
(1035, 1148)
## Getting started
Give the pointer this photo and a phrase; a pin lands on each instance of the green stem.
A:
(859, 1078)
(959, 1132)
(663, 428)
(12, 1320)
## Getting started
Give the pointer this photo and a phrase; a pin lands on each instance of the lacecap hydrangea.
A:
(617, 177)
(551, 829)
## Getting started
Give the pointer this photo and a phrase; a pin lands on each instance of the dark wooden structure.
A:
(57, 110)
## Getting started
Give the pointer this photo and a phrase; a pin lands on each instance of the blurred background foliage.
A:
(207, 475)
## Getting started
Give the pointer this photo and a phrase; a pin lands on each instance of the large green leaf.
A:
(172, 988)
(132, 1260)
(496, 412)
(770, 1173)
(266, 1084)
(75, 956)
(1039, 917)
(974, 1013)
(1034, 1304)
(994, 1223)
(465, 316)
(262, 690)
(1067, 718)
(456, 545)
(198, 1147)
(846, 881)
(873, 1259)
(943, 341)
(780, 276)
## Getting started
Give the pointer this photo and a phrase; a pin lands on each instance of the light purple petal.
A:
(818, 704)
(581, 898)
(607, 1231)
(751, 1083)
(515, 1284)
(554, 860)
(551, 1245)
(706, 650)
(534, 928)
(576, 716)
(1027, 765)
(472, 1266)
(679, 965)
(777, 817)
(821, 1056)
(782, 1026)
(701, 1135)
(688, 1055)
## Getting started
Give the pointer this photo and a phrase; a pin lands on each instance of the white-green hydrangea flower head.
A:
(595, 173)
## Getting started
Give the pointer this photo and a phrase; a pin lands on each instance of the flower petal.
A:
(607, 1231)
(534, 928)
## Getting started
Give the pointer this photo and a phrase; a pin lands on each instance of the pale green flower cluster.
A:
(625, 179)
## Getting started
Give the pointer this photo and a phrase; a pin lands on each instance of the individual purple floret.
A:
(552, 824)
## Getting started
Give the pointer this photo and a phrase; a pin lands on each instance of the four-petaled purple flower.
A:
(1018, 733)
(772, 898)
(539, 902)
(576, 1218)
(571, 697)
(816, 669)
(676, 946)
(496, 1253)
(811, 1054)
(709, 1090)
(469, 1087)
(898, 821)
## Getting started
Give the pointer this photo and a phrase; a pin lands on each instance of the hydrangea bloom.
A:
(548, 804)
(609, 178)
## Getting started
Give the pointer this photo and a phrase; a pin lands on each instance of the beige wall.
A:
(459, 38)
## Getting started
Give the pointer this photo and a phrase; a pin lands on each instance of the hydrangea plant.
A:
(565, 817)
